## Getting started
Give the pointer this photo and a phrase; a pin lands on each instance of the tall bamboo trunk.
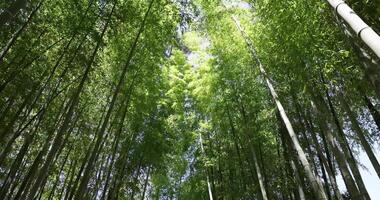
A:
(304, 134)
(209, 189)
(8, 129)
(120, 166)
(324, 161)
(374, 112)
(237, 143)
(17, 34)
(324, 176)
(109, 170)
(289, 167)
(37, 161)
(4, 112)
(39, 116)
(68, 178)
(347, 150)
(20, 156)
(360, 134)
(322, 112)
(369, 63)
(366, 33)
(259, 174)
(7, 15)
(74, 182)
(26, 53)
(314, 181)
(100, 134)
(15, 167)
(99, 174)
(57, 180)
(68, 118)
(126, 103)
(135, 179)
(146, 182)
(253, 153)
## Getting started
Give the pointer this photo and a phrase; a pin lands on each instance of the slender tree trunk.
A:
(304, 134)
(74, 183)
(220, 173)
(64, 127)
(26, 53)
(18, 161)
(15, 167)
(108, 169)
(324, 176)
(135, 179)
(73, 186)
(347, 150)
(209, 189)
(253, 151)
(33, 169)
(17, 71)
(99, 174)
(7, 15)
(8, 107)
(289, 172)
(325, 163)
(370, 65)
(340, 157)
(6, 131)
(88, 169)
(288, 147)
(259, 174)
(359, 132)
(17, 181)
(117, 139)
(57, 180)
(40, 116)
(68, 178)
(237, 141)
(329, 157)
(374, 112)
(146, 182)
(301, 193)
(55, 160)
(316, 185)
(17, 34)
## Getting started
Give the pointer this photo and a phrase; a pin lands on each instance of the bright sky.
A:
(370, 178)
(237, 3)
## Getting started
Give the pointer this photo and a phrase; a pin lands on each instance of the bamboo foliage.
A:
(195, 99)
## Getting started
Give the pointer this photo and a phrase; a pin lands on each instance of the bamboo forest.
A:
(189, 99)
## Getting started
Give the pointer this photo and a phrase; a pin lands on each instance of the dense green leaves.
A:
(98, 103)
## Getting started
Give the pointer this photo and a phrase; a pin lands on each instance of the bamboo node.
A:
(362, 29)
(339, 4)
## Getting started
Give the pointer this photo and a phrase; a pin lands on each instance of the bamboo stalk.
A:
(366, 33)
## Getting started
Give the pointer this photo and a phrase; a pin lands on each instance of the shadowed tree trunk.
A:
(17, 34)
(347, 150)
(88, 169)
(9, 13)
(360, 134)
(374, 112)
(68, 117)
(323, 114)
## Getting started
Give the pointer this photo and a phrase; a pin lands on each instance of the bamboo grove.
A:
(189, 99)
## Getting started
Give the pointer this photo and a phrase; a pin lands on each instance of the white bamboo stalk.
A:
(314, 181)
(207, 177)
(366, 33)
